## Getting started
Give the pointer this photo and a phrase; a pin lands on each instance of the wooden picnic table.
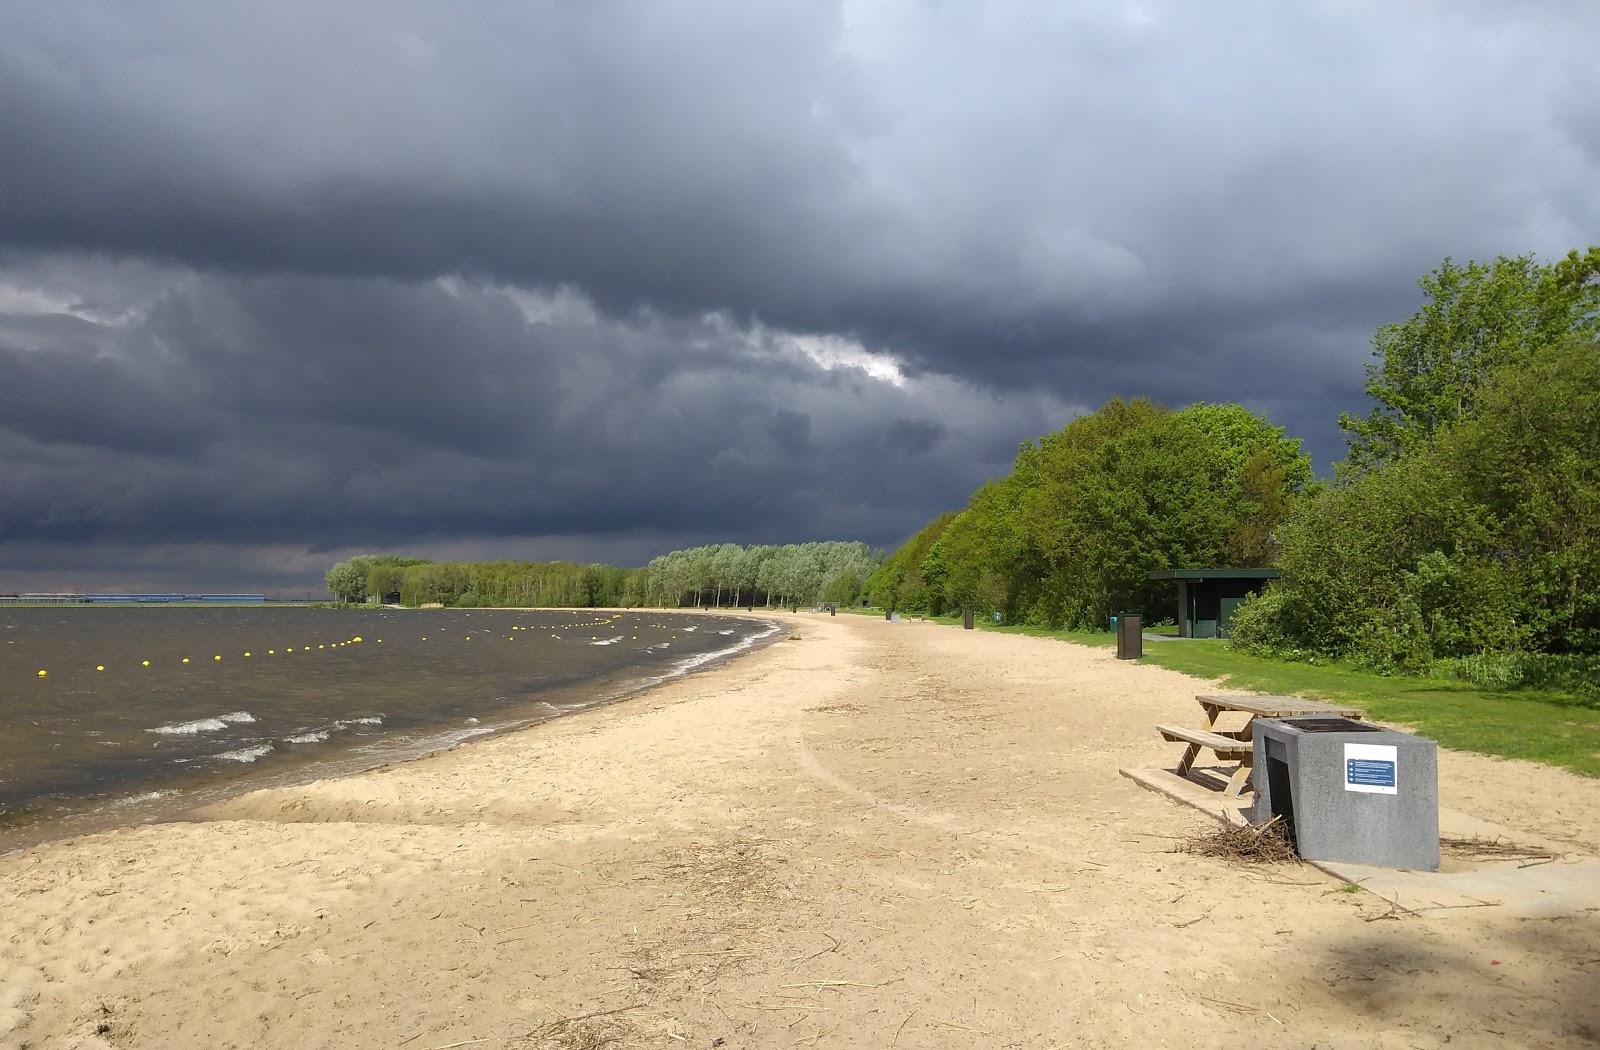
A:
(1215, 705)
(1237, 744)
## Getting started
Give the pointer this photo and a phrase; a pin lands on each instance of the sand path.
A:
(877, 835)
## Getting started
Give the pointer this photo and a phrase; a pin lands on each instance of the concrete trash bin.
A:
(1349, 791)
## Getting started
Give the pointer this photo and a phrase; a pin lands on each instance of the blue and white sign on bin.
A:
(1371, 768)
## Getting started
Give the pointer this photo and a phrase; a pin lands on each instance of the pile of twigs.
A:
(1268, 844)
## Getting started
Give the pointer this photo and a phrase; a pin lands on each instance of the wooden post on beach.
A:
(966, 619)
(888, 614)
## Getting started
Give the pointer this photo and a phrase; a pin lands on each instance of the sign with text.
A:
(1371, 768)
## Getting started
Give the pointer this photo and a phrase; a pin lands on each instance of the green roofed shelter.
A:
(1207, 598)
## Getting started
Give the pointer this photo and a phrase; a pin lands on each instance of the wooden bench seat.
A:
(1222, 745)
(1226, 747)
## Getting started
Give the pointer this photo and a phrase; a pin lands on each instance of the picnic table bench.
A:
(1238, 744)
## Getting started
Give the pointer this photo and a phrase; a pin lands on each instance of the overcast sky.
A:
(280, 282)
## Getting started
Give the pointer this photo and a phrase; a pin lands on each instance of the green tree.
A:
(1071, 534)
(1474, 319)
(383, 582)
(884, 585)
(1484, 539)
(347, 580)
(1529, 458)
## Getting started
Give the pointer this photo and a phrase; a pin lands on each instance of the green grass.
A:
(1557, 729)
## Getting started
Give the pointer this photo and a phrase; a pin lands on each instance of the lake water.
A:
(193, 704)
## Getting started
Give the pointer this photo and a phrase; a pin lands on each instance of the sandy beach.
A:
(874, 835)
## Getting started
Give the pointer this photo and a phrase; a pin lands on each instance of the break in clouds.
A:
(595, 280)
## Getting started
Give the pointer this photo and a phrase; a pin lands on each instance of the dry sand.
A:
(877, 835)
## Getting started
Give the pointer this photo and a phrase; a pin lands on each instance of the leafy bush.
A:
(1483, 539)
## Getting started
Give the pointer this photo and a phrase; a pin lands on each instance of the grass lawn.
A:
(1554, 728)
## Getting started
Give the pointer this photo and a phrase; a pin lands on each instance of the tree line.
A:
(1463, 526)
(725, 574)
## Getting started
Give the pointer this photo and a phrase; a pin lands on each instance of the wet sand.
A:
(876, 835)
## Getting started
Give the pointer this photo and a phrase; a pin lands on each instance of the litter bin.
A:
(966, 619)
(1130, 636)
(1349, 791)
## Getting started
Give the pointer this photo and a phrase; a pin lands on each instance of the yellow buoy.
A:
(43, 672)
(380, 641)
(185, 659)
(289, 650)
(144, 663)
(357, 638)
(218, 657)
(272, 652)
(247, 653)
(99, 667)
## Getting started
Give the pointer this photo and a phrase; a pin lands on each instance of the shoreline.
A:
(880, 834)
(176, 804)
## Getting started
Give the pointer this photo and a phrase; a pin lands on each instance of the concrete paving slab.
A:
(1208, 800)
(1566, 884)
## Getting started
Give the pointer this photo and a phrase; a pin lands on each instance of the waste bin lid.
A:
(1331, 725)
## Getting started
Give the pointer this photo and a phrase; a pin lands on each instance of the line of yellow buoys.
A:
(247, 654)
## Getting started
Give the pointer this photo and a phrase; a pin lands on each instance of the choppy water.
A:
(197, 702)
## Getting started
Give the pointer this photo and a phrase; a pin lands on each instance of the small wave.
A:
(371, 720)
(245, 754)
(691, 628)
(204, 725)
(608, 641)
(684, 666)
(148, 796)
(307, 738)
(724, 632)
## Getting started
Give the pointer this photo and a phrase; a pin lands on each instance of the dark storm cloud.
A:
(391, 272)
(363, 411)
